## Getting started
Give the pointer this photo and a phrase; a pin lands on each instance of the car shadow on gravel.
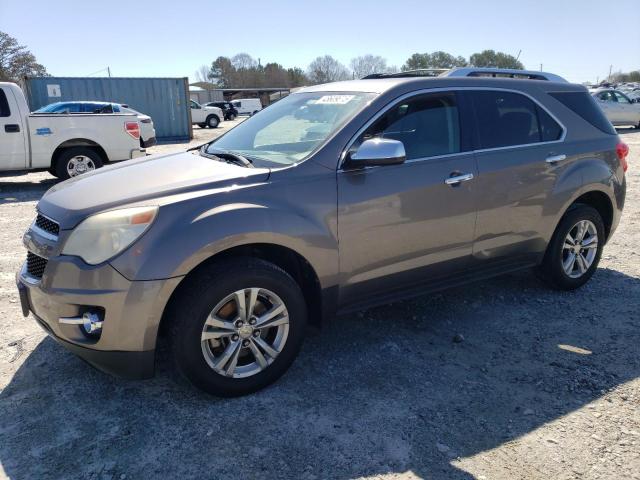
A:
(26, 191)
(411, 386)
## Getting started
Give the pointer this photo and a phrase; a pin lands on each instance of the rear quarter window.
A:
(583, 105)
(4, 105)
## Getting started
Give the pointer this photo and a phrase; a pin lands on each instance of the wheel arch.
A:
(79, 142)
(286, 258)
(601, 202)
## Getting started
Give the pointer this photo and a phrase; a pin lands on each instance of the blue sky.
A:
(576, 39)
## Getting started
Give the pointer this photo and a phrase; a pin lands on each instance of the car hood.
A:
(149, 181)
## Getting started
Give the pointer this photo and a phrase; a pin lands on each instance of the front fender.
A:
(184, 236)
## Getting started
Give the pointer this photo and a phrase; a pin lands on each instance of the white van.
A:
(247, 106)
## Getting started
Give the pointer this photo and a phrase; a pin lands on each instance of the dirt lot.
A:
(537, 385)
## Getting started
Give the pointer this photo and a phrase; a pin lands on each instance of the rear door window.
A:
(5, 111)
(506, 119)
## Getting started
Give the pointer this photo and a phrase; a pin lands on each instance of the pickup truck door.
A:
(627, 111)
(13, 150)
(411, 223)
(197, 113)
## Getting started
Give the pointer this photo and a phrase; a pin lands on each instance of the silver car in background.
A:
(618, 107)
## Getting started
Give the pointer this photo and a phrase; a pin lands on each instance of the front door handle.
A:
(456, 179)
(12, 128)
(555, 158)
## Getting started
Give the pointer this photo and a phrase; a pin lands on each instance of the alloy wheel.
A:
(579, 249)
(245, 332)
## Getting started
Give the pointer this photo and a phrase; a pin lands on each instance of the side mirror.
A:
(378, 151)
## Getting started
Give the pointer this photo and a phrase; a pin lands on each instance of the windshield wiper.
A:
(227, 156)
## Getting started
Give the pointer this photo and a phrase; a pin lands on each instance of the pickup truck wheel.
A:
(575, 249)
(238, 326)
(213, 121)
(231, 117)
(202, 125)
(76, 161)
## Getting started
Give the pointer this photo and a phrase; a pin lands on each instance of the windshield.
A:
(291, 129)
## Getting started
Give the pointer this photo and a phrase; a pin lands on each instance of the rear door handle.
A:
(458, 179)
(12, 128)
(555, 158)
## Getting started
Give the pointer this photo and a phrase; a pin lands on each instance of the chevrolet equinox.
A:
(338, 197)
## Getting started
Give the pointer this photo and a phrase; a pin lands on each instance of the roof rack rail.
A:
(502, 72)
(471, 72)
(420, 72)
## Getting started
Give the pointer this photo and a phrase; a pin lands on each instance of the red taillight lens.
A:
(133, 129)
(622, 150)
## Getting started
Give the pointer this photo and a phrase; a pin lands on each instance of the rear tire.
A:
(202, 125)
(213, 292)
(575, 249)
(76, 161)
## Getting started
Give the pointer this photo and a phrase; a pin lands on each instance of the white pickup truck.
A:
(65, 144)
(205, 116)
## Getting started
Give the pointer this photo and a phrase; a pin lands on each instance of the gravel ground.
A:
(502, 379)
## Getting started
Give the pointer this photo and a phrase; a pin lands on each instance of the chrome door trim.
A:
(424, 91)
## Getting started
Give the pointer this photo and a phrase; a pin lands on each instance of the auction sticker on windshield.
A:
(334, 99)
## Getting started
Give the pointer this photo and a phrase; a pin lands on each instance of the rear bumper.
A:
(150, 142)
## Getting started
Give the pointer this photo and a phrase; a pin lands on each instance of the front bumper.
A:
(69, 287)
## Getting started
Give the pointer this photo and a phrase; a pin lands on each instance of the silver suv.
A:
(337, 198)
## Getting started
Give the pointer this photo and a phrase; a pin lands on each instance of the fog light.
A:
(92, 323)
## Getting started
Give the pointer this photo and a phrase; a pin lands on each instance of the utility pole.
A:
(518, 56)
(540, 67)
(109, 72)
(610, 68)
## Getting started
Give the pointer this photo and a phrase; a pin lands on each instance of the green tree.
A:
(296, 77)
(491, 58)
(222, 72)
(437, 59)
(16, 61)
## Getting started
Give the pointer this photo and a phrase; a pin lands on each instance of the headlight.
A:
(102, 236)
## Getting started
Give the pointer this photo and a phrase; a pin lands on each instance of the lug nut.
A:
(256, 333)
(234, 338)
(252, 321)
(245, 343)
(239, 323)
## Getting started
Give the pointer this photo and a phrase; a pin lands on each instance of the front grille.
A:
(47, 225)
(35, 265)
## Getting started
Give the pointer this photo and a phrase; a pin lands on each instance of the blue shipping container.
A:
(165, 100)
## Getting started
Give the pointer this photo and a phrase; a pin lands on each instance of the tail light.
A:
(622, 150)
(133, 129)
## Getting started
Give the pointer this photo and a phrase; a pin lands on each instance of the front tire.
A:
(76, 161)
(575, 249)
(213, 121)
(237, 326)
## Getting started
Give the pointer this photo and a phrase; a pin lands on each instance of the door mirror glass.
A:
(378, 151)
